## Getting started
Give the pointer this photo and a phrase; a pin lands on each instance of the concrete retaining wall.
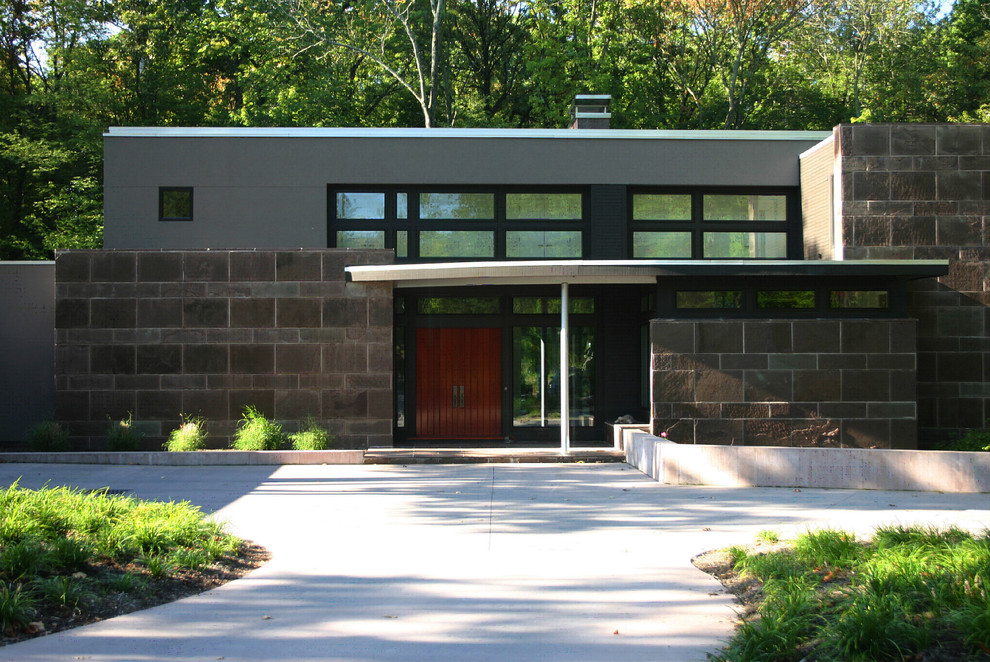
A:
(836, 468)
(196, 458)
(27, 337)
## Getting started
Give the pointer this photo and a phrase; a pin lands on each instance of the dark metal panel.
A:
(608, 223)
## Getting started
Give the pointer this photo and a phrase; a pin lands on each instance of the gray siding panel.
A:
(271, 191)
(27, 335)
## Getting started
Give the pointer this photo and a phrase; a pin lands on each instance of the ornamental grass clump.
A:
(313, 437)
(257, 433)
(913, 592)
(123, 436)
(69, 556)
(48, 436)
(190, 435)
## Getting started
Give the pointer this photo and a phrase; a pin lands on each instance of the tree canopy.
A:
(73, 67)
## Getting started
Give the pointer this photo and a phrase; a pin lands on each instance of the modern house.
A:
(743, 287)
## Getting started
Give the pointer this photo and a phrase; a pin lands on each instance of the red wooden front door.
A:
(459, 383)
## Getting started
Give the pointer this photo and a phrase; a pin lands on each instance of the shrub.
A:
(973, 440)
(313, 437)
(123, 436)
(190, 435)
(257, 433)
(48, 436)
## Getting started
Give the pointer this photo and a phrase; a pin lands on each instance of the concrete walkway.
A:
(465, 562)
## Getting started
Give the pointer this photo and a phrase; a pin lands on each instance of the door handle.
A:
(454, 403)
(457, 397)
(461, 401)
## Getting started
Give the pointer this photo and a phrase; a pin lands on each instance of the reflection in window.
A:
(399, 366)
(745, 207)
(785, 299)
(458, 305)
(175, 204)
(536, 376)
(858, 299)
(360, 239)
(402, 205)
(662, 207)
(551, 305)
(745, 244)
(402, 243)
(662, 245)
(456, 243)
(543, 206)
(457, 206)
(549, 243)
(709, 299)
(361, 205)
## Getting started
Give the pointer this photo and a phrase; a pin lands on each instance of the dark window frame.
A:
(162, 191)
(413, 225)
(667, 288)
(698, 226)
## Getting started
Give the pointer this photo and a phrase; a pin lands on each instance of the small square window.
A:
(175, 203)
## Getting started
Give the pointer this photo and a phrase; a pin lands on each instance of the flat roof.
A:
(360, 132)
(606, 272)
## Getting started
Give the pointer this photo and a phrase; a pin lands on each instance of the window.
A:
(546, 244)
(175, 203)
(447, 224)
(362, 206)
(785, 299)
(709, 299)
(711, 225)
(662, 207)
(458, 305)
(745, 244)
(456, 243)
(662, 245)
(543, 206)
(745, 208)
(456, 206)
(858, 299)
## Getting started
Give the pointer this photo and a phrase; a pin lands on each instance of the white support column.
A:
(565, 382)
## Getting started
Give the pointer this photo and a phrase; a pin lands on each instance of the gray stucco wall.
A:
(27, 336)
(262, 190)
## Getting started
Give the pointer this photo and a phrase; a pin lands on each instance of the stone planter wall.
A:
(207, 332)
(922, 191)
(836, 383)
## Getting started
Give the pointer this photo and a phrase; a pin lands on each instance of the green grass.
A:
(257, 433)
(59, 548)
(830, 598)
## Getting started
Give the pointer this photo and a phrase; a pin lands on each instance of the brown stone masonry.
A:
(208, 332)
(837, 383)
(923, 191)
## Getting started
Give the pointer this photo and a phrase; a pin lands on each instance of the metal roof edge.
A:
(360, 132)
(815, 148)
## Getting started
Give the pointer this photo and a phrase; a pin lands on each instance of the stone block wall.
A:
(207, 332)
(922, 191)
(807, 382)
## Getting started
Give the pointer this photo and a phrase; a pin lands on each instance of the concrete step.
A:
(488, 455)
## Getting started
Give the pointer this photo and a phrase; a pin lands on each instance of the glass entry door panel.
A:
(536, 376)
(458, 383)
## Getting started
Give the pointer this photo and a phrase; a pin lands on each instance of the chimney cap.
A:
(591, 111)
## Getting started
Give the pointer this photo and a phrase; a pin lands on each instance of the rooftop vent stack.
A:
(591, 111)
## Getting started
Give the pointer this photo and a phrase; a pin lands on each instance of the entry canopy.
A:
(618, 272)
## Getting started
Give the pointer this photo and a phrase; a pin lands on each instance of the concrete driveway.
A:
(460, 562)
